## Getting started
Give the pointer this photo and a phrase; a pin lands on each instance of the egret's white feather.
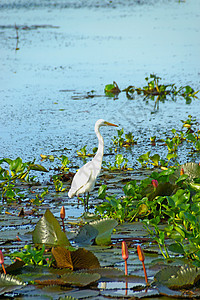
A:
(84, 180)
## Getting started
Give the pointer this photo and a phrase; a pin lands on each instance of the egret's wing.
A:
(80, 179)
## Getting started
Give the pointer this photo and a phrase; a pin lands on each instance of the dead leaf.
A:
(75, 260)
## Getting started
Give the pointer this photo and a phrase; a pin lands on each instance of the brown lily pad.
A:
(75, 260)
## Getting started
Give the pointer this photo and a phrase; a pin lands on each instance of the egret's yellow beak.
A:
(110, 124)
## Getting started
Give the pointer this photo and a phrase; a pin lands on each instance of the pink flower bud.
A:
(140, 253)
(154, 183)
(1, 258)
(62, 212)
(124, 251)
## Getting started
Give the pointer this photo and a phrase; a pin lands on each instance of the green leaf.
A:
(181, 178)
(176, 248)
(119, 159)
(48, 232)
(170, 201)
(155, 158)
(144, 157)
(171, 155)
(37, 167)
(98, 231)
(105, 228)
(191, 137)
(180, 231)
(102, 191)
(112, 89)
(190, 218)
(16, 165)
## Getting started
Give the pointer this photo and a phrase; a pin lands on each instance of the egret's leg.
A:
(84, 201)
(87, 199)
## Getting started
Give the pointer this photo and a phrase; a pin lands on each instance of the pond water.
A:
(81, 46)
(53, 54)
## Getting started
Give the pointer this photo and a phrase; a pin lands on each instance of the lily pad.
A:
(178, 278)
(105, 228)
(48, 232)
(75, 260)
(163, 189)
(86, 235)
(191, 169)
(80, 279)
(9, 284)
(98, 232)
(18, 264)
(67, 298)
(108, 272)
(82, 294)
(72, 278)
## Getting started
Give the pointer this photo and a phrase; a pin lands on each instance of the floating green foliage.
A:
(17, 171)
(154, 89)
(120, 141)
(112, 90)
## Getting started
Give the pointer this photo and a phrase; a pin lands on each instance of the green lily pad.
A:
(191, 169)
(80, 279)
(105, 228)
(178, 278)
(81, 294)
(67, 298)
(107, 272)
(86, 235)
(48, 232)
(98, 232)
(9, 284)
(73, 278)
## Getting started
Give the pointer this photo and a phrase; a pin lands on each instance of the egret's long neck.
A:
(99, 155)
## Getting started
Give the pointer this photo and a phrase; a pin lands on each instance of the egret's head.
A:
(102, 122)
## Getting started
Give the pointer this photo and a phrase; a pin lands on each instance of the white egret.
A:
(84, 180)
